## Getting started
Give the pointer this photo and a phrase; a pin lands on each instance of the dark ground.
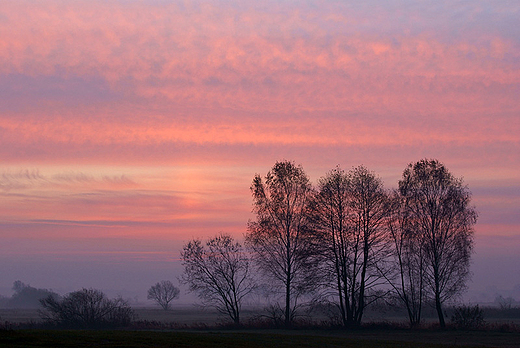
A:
(187, 320)
(258, 338)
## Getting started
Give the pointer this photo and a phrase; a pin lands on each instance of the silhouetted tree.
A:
(163, 293)
(219, 271)
(280, 238)
(86, 308)
(407, 277)
(439, 213)
(330, 213)
(367, 244)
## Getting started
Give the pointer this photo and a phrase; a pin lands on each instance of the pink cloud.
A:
(168, 65)
(201, 56)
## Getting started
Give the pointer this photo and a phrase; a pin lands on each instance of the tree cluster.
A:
(347, 239)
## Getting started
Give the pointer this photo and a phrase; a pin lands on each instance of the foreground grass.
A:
(271, 339)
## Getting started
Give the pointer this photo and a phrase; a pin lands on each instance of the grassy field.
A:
(190, 314)
(268, 338)
(208, 335)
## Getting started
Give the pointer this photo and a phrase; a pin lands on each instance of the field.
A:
(266, 338)
(196, 328)
(190, 315)
(183, 316)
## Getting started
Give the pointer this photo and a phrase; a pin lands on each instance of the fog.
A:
(494, 267)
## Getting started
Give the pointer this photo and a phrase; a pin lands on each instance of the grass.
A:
(190, 327)
(266, 338)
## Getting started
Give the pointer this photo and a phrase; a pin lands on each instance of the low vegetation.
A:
(468, 317)
(189, 327)
(86, 309)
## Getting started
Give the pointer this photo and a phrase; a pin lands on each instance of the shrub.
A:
(467, 317)
(87, 308)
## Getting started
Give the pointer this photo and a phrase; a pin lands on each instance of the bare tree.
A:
(330, 212)
(439, 212)
(280, 237)
(369, 202)
(363, 238)
(219, 271)
(350, 210)
(163, 293)
(407, 275)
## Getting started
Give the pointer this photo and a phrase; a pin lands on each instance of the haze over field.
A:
(129, 127)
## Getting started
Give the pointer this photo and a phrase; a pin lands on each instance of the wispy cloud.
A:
(27, 179)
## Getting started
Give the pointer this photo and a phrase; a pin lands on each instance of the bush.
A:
(467, 317)
(87, 308)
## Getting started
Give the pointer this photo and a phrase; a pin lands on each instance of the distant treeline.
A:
(26, 296)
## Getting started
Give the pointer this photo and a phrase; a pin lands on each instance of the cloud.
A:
(105, 78)
(96, 81)
(52, 204)
(212, 55)
(20, 179)
(29, 179)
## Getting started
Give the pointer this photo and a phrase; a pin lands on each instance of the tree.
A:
(330, 214)
(408, 276)
(369, 203)
(219, 271)
(439, 213)
(163, 293)
(86, 308)
(280, 237)
(350, 210)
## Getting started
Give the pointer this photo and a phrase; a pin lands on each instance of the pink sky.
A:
(128, 127)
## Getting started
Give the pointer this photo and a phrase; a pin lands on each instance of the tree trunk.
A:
(288, 287)
(288, 304)
(438, 306)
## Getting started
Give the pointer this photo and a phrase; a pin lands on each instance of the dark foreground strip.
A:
(269, 339)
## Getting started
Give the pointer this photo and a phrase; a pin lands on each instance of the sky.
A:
(129, 127)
